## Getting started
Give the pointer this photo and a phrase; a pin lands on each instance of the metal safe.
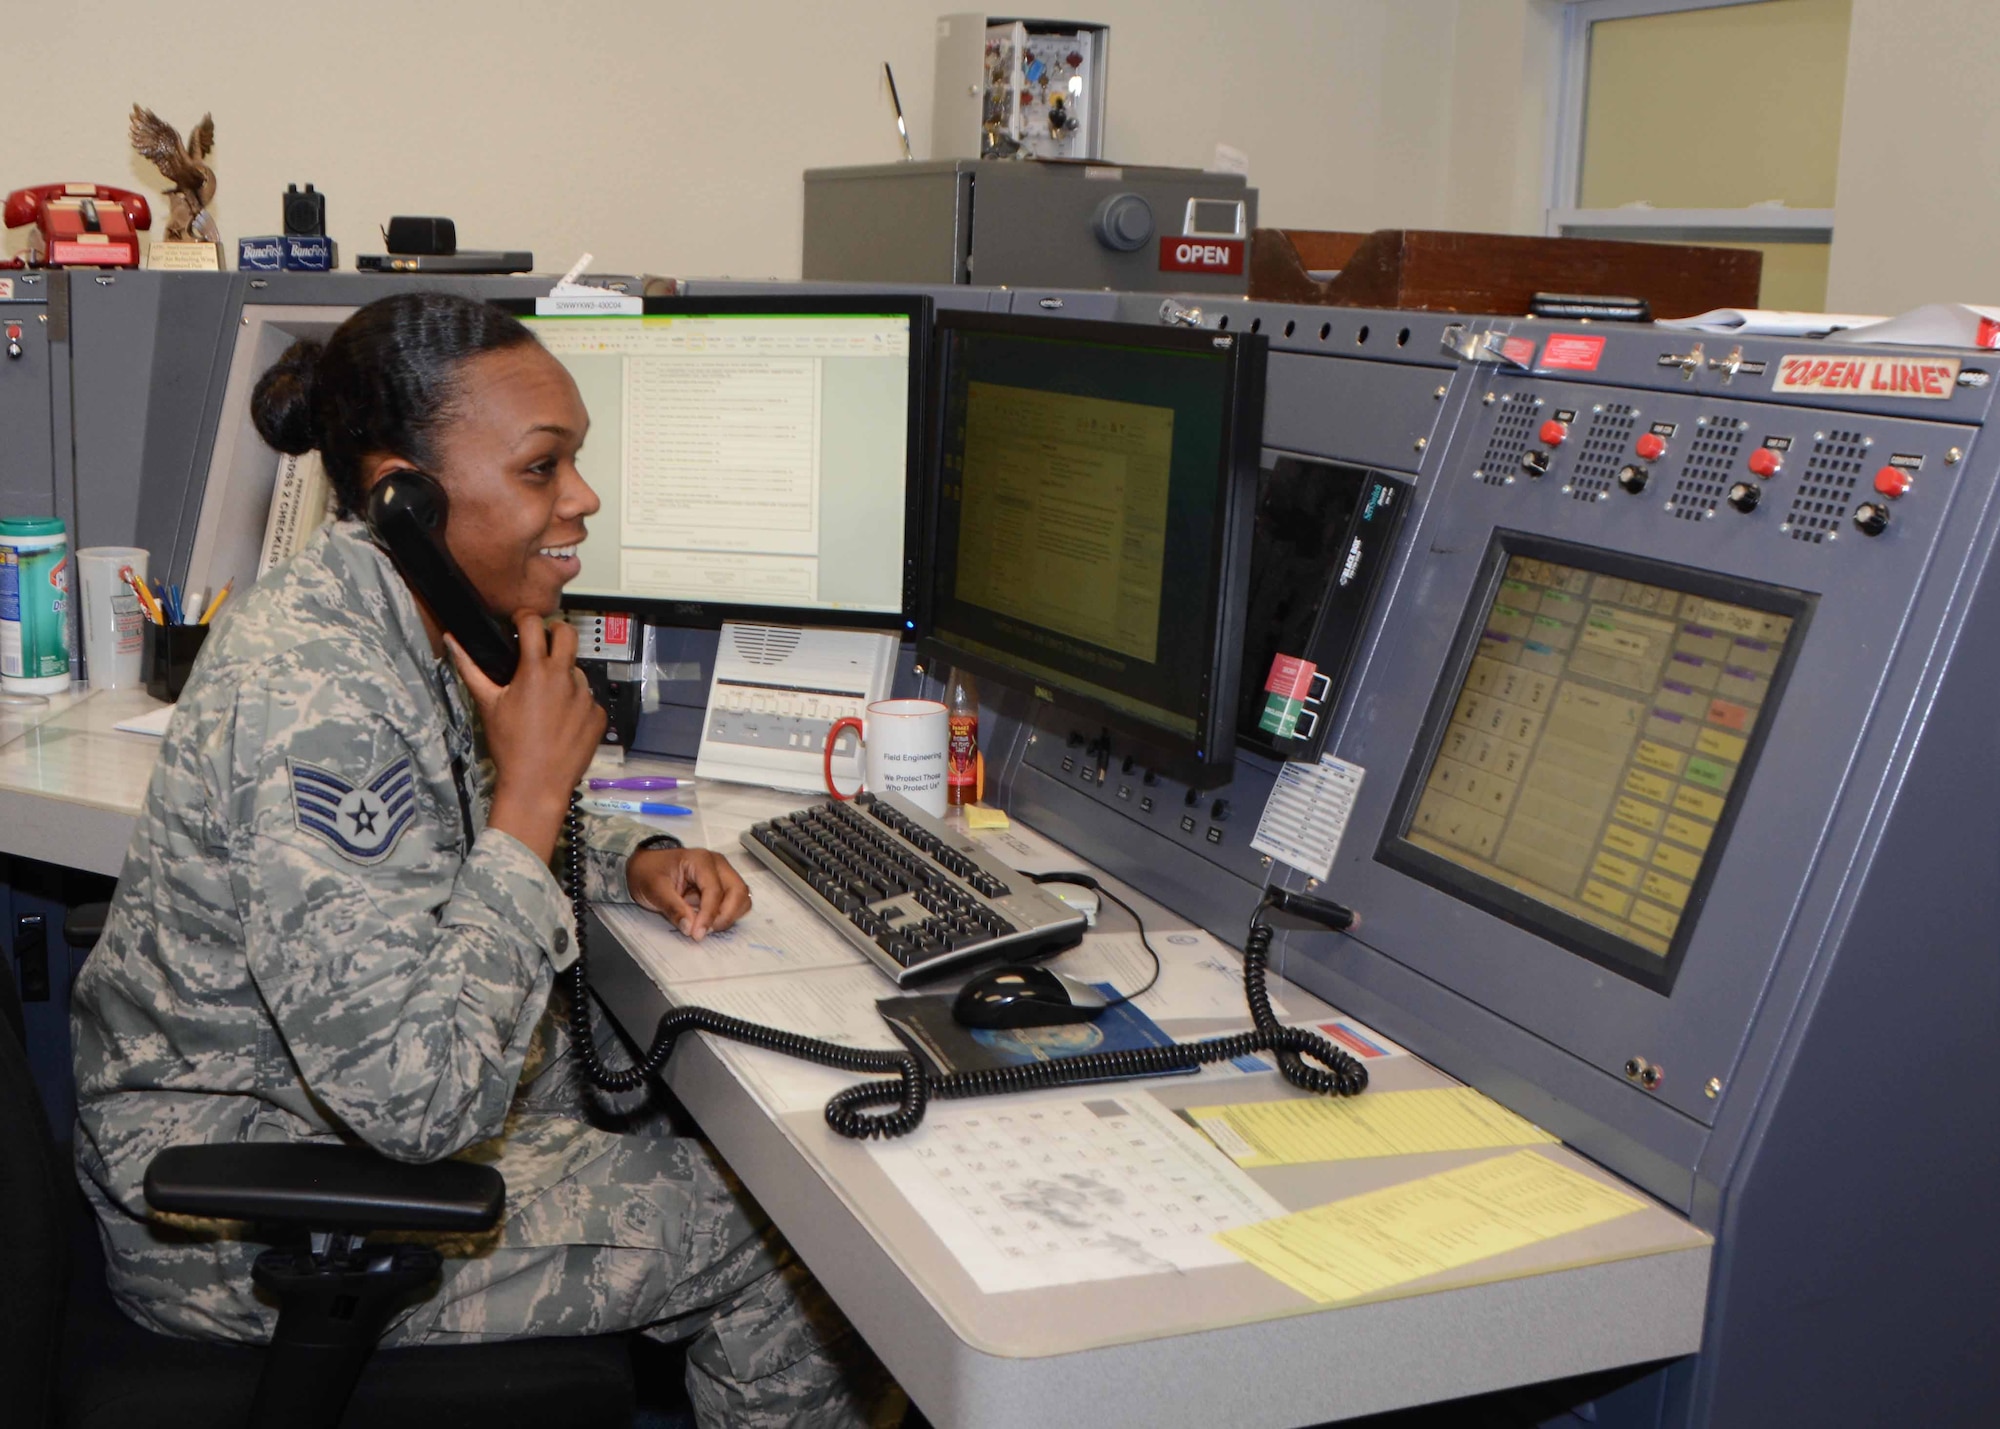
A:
(1030, 224)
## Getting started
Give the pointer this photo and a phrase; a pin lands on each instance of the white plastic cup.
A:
(903, 745)
(114, 625)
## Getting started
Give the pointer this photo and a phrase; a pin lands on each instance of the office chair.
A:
(69, 1355)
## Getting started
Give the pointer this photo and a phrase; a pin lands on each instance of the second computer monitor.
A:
(1094, 492)
(754, 457)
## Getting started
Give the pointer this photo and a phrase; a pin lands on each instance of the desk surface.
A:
(1222, 1344)
(1225, 1343)
(70, 784)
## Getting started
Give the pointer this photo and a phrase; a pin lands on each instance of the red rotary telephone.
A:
(81, 225)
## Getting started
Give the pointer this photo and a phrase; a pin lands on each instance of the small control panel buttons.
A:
(1872, 518)
(1632, 478)
(1892, 482)
(1651, 446)
(1535, 463)
(1744, 496)
(1554, 433)
(1766, 462)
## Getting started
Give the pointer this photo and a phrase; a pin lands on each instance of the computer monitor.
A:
(1585, 754)
(754, 456)
(1092, 503)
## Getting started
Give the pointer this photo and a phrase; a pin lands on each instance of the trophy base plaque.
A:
(184, 256)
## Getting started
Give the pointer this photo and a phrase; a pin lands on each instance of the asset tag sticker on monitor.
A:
(1307, 814)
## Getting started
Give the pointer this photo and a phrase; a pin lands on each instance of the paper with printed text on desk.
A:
(1367, 1244)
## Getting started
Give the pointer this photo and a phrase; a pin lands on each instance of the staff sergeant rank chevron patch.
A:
(363, 823)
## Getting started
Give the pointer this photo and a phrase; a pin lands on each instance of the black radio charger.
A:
(305, 212)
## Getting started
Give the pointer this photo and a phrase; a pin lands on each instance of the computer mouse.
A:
(1084, 900)
(1015, 995)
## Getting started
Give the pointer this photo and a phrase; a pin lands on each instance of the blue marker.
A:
(633, 806)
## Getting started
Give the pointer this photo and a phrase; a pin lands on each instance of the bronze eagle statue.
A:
(181, 165)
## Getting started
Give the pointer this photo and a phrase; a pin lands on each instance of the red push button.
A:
(1892, 481)
(1765, 462)
(1650, 447)
(1554, 433)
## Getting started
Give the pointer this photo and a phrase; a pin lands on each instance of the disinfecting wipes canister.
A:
(34, 605)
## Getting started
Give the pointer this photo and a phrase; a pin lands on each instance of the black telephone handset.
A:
(407, 510)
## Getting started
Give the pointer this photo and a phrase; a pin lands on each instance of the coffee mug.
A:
(902, 751)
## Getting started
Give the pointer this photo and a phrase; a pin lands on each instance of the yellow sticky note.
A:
(1370, 1243)
(1284, 1133)
(978, 816)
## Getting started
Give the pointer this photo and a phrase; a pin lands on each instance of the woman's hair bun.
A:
(285, 403)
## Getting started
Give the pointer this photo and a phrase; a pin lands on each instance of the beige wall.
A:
(1501, 91)
(1917, 208)
(670, 136)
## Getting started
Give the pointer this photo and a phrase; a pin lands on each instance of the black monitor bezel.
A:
(1205, 758)
(710, 614)
(1585, 939)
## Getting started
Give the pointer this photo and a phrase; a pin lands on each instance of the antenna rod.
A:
(901, 131)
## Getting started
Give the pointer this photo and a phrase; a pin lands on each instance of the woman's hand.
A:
(541, 730)
(694, 889)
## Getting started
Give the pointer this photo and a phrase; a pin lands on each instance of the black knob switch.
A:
(1744, 496)
(1123, 222)
(1219, 811)
(1872, 517)
(1632, 478)
(1191, 798)
(1535, 463)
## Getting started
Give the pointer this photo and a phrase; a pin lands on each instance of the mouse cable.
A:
(1084, 880)
(912, 1089)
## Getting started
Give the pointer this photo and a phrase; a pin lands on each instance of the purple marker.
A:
(642, 782)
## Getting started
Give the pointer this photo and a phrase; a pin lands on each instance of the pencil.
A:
(216, 604)
(146, 601)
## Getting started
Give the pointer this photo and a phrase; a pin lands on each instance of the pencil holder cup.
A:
(170, 657)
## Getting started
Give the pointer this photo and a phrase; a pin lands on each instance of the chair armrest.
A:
(323, 1187)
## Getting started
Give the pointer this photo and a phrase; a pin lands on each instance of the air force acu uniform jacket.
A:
(315, 935)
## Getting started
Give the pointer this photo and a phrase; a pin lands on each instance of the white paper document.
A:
(1769, 322)
(778, 934)
(1200, 977)
(1024, 850)
(1030, 1192)
(1934, 325)
(1307, 813)
(153, 722)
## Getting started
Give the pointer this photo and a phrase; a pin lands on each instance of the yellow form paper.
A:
(1282, 1133)
(1370, 1243)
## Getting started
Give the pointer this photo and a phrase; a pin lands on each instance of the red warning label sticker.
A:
(1572, 352)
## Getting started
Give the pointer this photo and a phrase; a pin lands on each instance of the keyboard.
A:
(910, 891)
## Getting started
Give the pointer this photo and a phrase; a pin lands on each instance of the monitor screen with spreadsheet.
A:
(753, 456)
(1588, 749)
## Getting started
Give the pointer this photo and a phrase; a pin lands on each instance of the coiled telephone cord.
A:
(910, 1092)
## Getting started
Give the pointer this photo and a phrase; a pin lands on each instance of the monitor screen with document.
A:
(1090, 536)
(753, 456)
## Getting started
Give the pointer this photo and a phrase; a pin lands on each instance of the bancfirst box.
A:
(260, 255)
(308, 253)
(294, 253)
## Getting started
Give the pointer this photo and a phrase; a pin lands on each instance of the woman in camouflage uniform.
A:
(337, 919)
